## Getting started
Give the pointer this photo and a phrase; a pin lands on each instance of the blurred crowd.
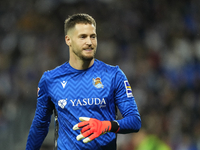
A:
(155, 42)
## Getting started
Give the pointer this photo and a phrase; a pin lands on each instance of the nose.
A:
(88, 41)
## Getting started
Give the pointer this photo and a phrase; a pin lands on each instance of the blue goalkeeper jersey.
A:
(95, 93)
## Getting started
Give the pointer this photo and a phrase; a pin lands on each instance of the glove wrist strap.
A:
(114, 126)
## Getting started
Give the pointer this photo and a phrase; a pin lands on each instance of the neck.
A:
(81, 64)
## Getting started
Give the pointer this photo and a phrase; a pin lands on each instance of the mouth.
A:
(88, 49)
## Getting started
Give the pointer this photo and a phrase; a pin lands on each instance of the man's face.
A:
(82, 40)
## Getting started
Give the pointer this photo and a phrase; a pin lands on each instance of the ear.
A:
(68, 40)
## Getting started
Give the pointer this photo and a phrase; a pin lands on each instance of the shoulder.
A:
(107, 67)
(56, 72)
(112, 70)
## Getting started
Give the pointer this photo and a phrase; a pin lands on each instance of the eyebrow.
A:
(83, 34)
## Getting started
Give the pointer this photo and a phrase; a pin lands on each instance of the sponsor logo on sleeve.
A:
(128, 89)
(38, 92)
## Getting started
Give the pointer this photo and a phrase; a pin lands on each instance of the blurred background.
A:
(155, 42)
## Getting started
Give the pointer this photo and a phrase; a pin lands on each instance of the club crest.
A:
(97, 83)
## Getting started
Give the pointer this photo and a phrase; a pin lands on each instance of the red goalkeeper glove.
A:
(92, 128)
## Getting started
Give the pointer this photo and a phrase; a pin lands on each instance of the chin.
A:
(88, 58)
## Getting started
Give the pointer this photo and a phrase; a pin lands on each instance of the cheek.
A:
(80, 43)
(77, 44)
(95, 42)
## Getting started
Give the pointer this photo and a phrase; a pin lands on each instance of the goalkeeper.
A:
(85, 92)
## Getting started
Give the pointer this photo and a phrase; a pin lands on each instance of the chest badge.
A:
(97, 83)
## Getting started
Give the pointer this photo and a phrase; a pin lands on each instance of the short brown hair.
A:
(71, 21)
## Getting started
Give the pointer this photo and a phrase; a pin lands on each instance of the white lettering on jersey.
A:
(73, 102)
(83, 102)
(78, 103)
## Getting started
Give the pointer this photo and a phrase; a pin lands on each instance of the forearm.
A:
(129, 124)
(36, 136)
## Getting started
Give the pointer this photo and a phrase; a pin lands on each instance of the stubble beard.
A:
(83, 57)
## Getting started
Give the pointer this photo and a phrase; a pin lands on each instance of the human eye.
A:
(82, 36)
(93, 36)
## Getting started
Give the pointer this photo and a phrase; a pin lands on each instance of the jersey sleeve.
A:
(126, 104)
(40, 124)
